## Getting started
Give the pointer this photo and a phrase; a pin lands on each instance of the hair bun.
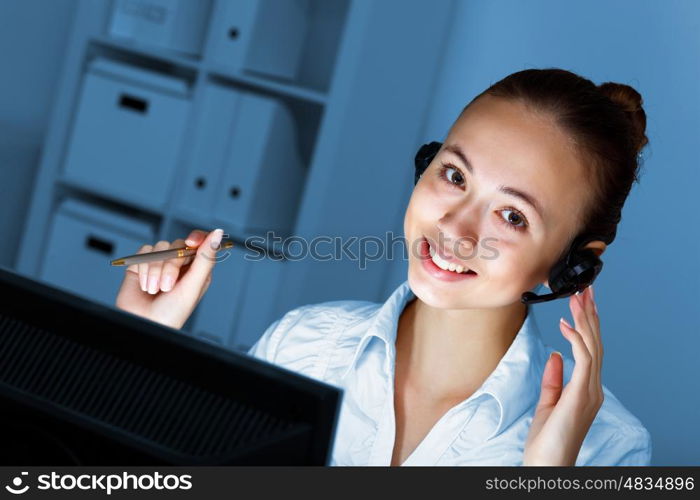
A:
(631, 102)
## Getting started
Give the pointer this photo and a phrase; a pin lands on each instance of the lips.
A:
(438, 273)
(448, 266)
(446, 262)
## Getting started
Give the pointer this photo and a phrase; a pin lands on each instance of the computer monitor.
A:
(85, 384)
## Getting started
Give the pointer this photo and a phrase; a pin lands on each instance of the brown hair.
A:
(606, 124)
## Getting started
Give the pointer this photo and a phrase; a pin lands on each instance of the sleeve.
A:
(626, 446)
(265, 347)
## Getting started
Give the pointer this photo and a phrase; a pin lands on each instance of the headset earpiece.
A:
(424, 156)
(573, 273)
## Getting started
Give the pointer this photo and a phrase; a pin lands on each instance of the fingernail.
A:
(152, 285)
(595, 307)
(592, 296)
(551, 355)
(216, 239)
(565, 322)
(167, 284)
(142, 282)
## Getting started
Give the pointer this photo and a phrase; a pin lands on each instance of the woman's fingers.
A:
(171, 268)
(600, 339)
(162, 275)
(582, 323)
(552, 381)
(143, 268)
(594, 321)
(591, 334)
(204, 261)
(155, 268)
(196, 237)
(588, 330)
(582, 356)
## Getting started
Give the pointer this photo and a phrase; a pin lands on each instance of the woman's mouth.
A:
(439, 268)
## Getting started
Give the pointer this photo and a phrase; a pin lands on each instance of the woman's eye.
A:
(514, 219)
(451, 174)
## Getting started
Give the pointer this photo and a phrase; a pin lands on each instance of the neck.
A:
(446, 355)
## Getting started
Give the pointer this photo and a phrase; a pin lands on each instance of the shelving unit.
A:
(358, 103)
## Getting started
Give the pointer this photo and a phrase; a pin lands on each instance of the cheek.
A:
(409, 217)
(428, 202)
(424, 205)
(511, 264)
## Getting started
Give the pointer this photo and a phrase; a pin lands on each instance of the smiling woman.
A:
(541, 159)
(451, 368)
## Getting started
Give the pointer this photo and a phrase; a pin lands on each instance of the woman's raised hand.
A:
(168, 291)
(563, 417)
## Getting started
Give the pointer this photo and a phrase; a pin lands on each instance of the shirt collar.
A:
(514, 384)
(384, 323)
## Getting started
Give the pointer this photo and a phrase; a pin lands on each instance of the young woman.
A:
(451, 369)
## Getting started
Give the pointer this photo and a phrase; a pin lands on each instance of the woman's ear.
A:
(597, 246)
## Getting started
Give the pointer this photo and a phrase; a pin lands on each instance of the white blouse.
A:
(350, 344)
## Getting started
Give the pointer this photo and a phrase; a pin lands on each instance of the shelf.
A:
(109, 198)
(166, 57)
(64, 193)
(277, 87)
(162, 55)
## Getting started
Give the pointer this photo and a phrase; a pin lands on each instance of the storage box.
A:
(244, 169)
(127, 133)
(82, 241)
(261, 36)
(178, 25)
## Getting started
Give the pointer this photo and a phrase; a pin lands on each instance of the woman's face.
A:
(473, 216)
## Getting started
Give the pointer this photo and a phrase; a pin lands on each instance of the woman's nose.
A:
(459, 233)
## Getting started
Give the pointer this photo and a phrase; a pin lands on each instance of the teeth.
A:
(443, 264)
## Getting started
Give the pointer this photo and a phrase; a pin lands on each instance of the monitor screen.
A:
(82, 383)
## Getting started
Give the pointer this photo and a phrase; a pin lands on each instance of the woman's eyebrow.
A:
(527, 198)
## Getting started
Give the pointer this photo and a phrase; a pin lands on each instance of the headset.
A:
(575, 271)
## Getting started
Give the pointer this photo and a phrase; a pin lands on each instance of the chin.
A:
(439, 295)
(461, 295)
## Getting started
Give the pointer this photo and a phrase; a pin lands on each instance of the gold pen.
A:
(172, 253)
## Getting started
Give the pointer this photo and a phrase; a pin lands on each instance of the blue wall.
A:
(648, 293)
(33, 37)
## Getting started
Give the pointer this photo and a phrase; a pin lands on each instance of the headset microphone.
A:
(573, 273)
